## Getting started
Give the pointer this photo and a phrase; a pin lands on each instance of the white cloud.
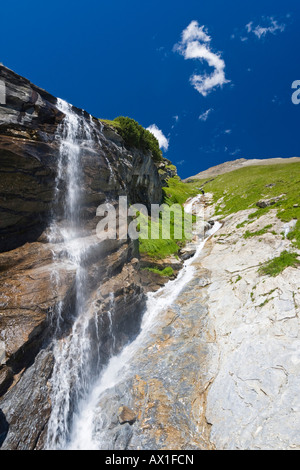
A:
(271, 26)
(249, 26)
(195, 44)
(162, 139)
(204, 116)
(194, 32)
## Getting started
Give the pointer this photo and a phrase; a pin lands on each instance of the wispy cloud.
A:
(235, 152)
(176, 119)
(162, 139)
(195, 44)
(269, 26)
(204, 116)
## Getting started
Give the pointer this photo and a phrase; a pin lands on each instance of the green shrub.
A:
(135, 135)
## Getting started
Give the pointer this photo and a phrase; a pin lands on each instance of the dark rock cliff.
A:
(28, 297)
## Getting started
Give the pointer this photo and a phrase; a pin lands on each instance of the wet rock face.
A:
(25, 408)
(165, 384)
(28, 164)
(3, 428)
(27, 156)
(29, 295)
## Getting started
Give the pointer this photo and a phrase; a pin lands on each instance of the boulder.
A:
(268, 202)
(126, 415)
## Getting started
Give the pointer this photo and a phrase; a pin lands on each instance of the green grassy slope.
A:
(242, 189)
(238, 190)
(176, 192)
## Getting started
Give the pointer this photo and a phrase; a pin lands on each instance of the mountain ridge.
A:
(232, 165)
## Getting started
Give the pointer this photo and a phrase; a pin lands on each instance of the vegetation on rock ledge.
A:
(177, 192)
(135, 135)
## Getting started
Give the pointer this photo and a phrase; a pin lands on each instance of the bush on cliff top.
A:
(135, 135)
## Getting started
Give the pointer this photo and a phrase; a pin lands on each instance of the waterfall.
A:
(82, 433)
(77, 382)
(110, 313)
(72, 351)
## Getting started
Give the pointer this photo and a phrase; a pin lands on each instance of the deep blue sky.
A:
(117, 58)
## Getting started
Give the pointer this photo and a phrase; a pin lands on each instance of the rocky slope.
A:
(30, 298)
(219, 368)
(253, 401)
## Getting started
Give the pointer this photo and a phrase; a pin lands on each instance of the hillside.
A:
(259, 188)
(237, 164)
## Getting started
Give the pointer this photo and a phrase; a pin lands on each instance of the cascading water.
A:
(74, 393)
(72, 352)
(82, 437)
(110, 313)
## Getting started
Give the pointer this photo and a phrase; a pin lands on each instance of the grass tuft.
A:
(279, 264)
(166, 272)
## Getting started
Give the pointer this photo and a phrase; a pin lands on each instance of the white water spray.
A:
(72, 352)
